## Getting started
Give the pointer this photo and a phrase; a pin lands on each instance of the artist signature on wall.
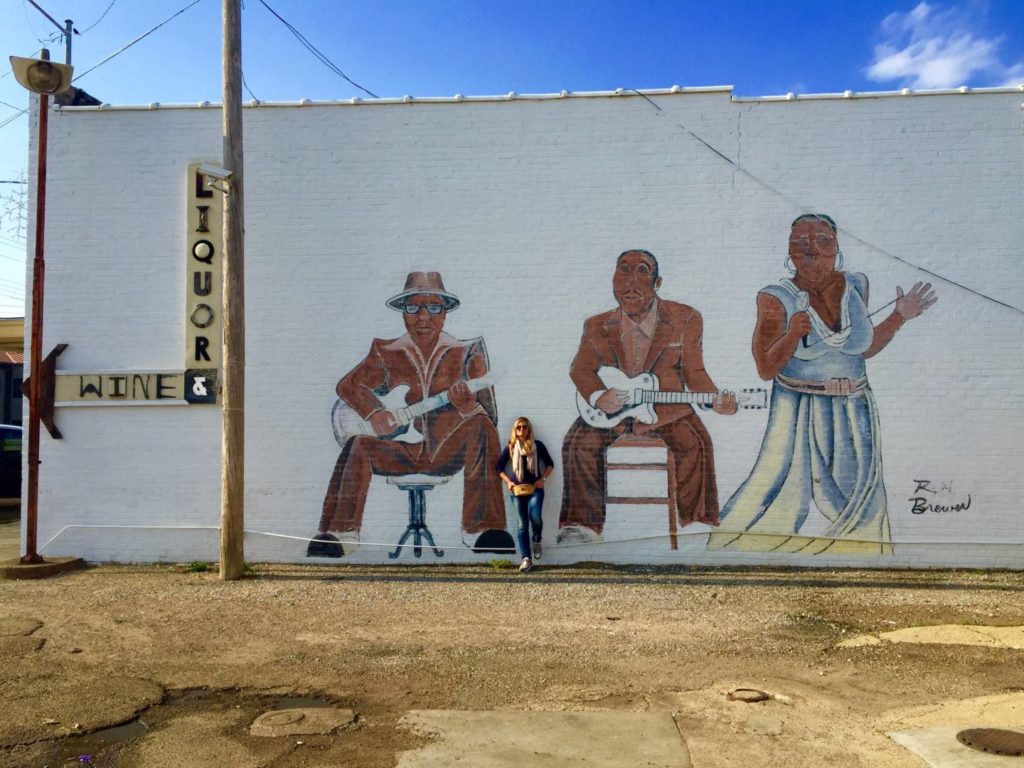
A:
(937, 497)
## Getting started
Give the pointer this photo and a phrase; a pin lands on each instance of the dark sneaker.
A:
(325, 545)
(538, 550)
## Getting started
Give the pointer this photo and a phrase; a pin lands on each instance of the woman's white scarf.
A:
(522, 460)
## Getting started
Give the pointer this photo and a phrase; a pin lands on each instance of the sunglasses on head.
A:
(414, 309)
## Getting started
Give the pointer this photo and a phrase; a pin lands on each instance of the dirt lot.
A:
(199, 658)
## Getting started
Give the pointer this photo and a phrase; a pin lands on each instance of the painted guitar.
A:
(347, 423)
(643, 394)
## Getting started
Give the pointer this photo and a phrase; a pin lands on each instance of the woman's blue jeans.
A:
(529, 509)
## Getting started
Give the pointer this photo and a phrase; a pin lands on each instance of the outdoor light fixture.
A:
(214, 171)
(213, 174)
(42, 75)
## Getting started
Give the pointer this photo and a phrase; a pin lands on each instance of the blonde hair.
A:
(528, 442)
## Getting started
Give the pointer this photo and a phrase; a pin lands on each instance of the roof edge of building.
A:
(617, 93)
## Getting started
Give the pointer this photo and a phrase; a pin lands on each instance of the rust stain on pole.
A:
(36, 348)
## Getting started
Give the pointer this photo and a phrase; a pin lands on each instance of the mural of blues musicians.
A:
(823, 440)
(645, 343)
(417, 404)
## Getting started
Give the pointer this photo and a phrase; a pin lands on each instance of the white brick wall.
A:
(523, 207)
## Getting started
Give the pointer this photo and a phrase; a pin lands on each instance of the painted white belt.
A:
(830, 387)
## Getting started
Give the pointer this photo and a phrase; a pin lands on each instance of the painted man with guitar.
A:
(645, 343)
(418, 404)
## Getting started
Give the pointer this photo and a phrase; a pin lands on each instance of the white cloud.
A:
(939, 47)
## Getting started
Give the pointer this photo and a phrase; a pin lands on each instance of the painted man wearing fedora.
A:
(458, 436)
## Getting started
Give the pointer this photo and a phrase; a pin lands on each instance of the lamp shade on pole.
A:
(41, 75)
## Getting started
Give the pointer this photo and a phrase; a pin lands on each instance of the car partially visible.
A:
(10, 461)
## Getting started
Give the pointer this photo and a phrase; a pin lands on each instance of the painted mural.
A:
(418, 409)
(822, 443)
(645, 344)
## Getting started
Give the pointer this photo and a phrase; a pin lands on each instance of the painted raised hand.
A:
(916, 301)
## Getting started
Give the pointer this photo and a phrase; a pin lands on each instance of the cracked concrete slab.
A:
(939, 748)
(946, 634)
(474, 739)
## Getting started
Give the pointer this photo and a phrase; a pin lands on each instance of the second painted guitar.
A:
(643, 394)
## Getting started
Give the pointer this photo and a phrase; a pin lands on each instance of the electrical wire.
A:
(800, 207)
(248, 89)
(120, 50)
(124, 48)
(316, 52)
(32, 29)
(53, 21)
(13, 117)
(99, 19)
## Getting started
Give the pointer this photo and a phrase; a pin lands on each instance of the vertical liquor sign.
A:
(203, 277)
(204, 225)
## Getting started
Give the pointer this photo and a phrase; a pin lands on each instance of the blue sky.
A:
(477, 47)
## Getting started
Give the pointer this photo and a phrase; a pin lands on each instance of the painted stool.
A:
(417, 487)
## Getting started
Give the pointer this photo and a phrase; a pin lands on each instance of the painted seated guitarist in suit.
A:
(454, 430)
(643, 335)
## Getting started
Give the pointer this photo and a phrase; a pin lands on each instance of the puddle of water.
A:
(300, 702)
(87, 749)
(83, 750)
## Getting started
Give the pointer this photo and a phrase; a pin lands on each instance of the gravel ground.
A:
(95, 648)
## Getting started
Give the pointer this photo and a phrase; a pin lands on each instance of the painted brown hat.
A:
(428, 283)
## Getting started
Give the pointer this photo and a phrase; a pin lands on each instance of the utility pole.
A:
(69, 27)
(232, 511)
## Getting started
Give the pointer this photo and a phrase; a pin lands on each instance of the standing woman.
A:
(823, 440)
(524, 464)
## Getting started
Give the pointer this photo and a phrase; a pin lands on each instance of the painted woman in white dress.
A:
(822, 442)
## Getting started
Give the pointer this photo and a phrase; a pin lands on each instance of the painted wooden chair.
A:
(636, 467)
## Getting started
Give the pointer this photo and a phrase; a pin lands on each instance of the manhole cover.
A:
(748, 695)
(287, 717)
(995, 741)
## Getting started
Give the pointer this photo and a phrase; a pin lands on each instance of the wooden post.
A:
(232, 512)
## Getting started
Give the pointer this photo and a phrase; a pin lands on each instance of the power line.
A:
(32, 29)
(99, 19)
(316, 52)
(120, 50)
(13, 117)
(249, 90)
(124, 48)
(800, 207)
(53, 21)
